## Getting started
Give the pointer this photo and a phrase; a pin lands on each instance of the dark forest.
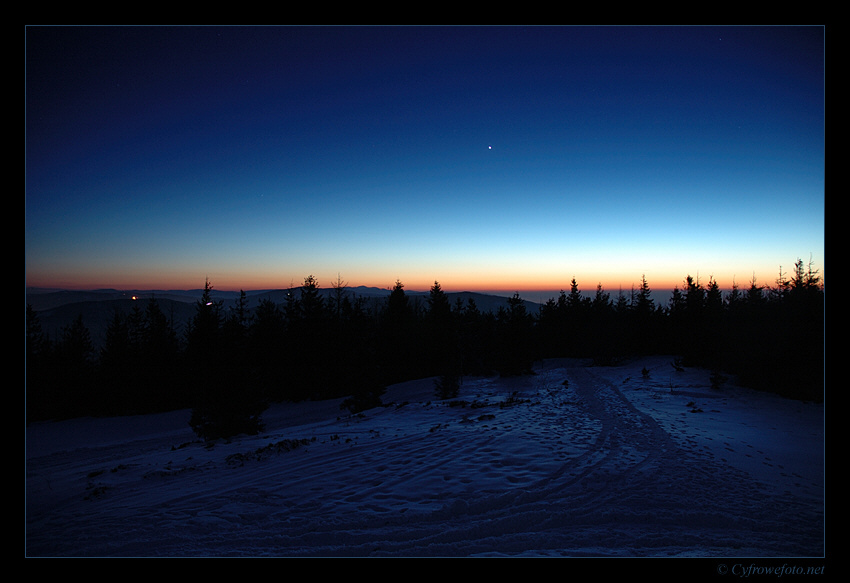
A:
(228, 366)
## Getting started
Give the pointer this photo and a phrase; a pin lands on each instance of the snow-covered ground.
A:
(572, 461)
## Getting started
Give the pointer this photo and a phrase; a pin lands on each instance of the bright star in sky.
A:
(621, 161)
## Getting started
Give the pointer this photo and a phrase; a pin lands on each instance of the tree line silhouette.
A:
(230, 364)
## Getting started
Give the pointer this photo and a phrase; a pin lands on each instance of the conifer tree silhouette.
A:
(443, 342)
(76, 359)
(515, 327)
(224, 405)
(43, 394)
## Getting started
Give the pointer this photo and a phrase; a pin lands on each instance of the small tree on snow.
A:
(447, 386)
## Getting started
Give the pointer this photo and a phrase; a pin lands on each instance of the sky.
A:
(485, 158)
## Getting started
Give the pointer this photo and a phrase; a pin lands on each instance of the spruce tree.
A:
(439, 309)
(475, 338)
(550, 330)
(601, 332)
(224, 404)
(734, 298)
(645, 305)
(117, 379)
(575, 309)
(159, 360)
(42, 400)
(442, 340)
(575, 301)
(804, 334)
(312, 304)
(399, 338)
(516, 338)
(76, 354)
(713, 326)
(268, 354)
(398, 312)
(36, 341)
(338, 299)
(643, 321)
(601, 300)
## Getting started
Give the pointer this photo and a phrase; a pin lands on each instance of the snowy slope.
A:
(607, 464)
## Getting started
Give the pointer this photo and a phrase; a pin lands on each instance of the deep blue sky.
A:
(510, 158)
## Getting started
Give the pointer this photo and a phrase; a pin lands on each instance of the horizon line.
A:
(502, 291)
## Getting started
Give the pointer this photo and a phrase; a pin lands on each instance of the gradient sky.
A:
(488, 158)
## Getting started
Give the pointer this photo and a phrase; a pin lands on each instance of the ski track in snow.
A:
(526, 466)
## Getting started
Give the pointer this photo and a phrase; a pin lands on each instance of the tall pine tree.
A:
(224, 404)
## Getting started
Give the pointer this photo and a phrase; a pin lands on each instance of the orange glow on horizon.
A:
(512, 277)
(500, 286)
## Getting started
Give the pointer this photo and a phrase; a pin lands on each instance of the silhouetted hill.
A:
(41, 299)
(58, 308)
(488, 302)
(98, 313)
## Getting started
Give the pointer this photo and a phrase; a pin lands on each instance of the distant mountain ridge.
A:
(47, 298)
(57, 308)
